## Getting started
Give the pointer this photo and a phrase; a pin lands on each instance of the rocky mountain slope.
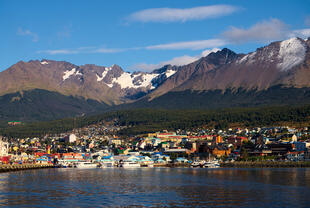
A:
(285, 63)
(278, 73)
(110, 85)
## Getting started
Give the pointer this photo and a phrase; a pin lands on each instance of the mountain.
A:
(277, 74)
(110, 85)
(39, 105)
(194, 71)
(47, 89)
(280, 63)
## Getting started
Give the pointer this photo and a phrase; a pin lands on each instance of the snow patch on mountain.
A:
(292, 52)
(99, 78)
(147, 80)
(247, 58)
(125, 80)
(169, 73)
(78, 73)
(104, 73)
(44, 62)
(109, 85)
(137, 80)
(128, 80)
(69, 73)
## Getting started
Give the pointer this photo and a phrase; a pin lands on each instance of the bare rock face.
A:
(110, 85)
(284, 63)
(191, 73)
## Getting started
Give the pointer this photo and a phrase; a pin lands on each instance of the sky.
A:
(142, 35)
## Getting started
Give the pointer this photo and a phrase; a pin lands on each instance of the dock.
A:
(19, 167)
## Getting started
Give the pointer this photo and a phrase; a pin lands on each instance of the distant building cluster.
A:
(101, 142)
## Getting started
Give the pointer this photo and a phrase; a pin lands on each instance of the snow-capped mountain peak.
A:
(112, 76)
(291, 53)
(103, 74)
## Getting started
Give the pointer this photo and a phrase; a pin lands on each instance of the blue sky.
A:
(143, 34)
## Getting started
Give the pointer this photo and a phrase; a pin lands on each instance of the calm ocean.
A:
(156, 187)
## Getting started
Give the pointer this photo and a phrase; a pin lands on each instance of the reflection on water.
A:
(157, 187)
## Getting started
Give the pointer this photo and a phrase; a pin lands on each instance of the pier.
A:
(18, 167)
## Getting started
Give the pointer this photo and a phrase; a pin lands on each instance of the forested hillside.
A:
(150, 120)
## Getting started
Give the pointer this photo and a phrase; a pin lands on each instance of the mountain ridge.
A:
(227, 78)
(111, 85)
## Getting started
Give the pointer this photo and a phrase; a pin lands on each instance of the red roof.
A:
(165, 133)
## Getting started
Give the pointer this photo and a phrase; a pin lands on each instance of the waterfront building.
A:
(220, 151)
(296, 156)
(4, 148)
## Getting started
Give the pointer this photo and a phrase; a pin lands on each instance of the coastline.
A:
(267, 164)
(19, 167)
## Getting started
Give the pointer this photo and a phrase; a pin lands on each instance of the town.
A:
(100, 144)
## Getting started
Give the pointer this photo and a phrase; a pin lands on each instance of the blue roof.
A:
(41, 159)
(157, 153)
(181, 159)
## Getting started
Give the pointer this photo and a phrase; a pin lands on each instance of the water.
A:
(156, 187)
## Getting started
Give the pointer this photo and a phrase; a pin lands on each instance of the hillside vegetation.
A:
(149, 120)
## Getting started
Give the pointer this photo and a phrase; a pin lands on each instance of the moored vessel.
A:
(85, 165)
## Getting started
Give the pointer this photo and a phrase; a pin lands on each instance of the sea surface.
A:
(156, 187)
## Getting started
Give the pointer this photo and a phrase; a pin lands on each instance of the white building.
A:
(4, 148)
(72, 138)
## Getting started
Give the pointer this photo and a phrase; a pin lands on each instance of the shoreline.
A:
(18, 167)
(242, 164)
(266, 164)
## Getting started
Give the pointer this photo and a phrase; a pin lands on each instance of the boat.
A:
(129, 164)
(212, 164)
(85, 165)
(65, 164)
(197, 164)
(107, 164)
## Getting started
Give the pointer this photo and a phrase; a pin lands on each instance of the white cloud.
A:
(273, 29)
(26, 32)
(108, 50)
(144, 67)
(264, 31)
(192, 45)
(182, 15)
(81, 50)
(59, 51)
(177, 61)
(302, 33)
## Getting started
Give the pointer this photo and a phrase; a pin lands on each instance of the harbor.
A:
(156, 187)
(18, 167)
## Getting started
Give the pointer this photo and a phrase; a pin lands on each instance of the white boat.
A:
(195, 164)
(107, 164)
(129, 164)
(85, 165)
(200, 164)
(212, 164)
(65, 164)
